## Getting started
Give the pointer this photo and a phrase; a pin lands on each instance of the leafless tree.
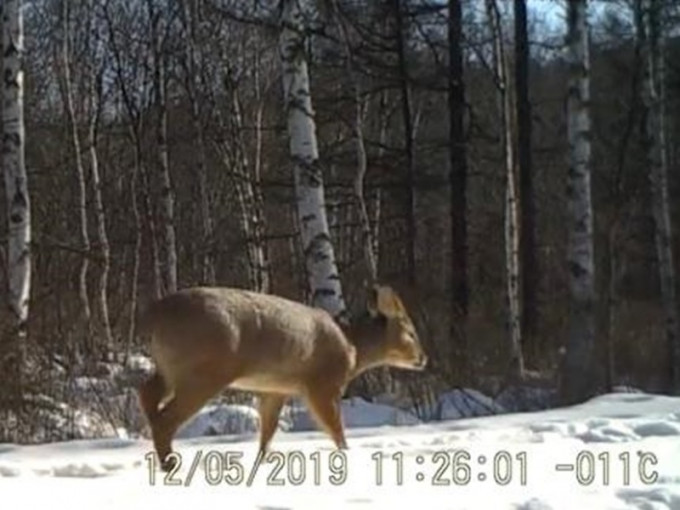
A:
(578, 378)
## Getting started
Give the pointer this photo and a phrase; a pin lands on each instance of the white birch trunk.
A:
(578, 381)
(136, 254)
(256, 180)
(95, 84)
(324, 280)
(383, 122)
(16, 187)
(251, 210)
(655, 141)
(100, 214)
(511, 213)
(67, 97)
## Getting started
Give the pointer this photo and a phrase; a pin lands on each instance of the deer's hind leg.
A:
(150, 394)
(189, 397)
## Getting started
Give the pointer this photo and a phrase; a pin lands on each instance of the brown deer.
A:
(206, 339)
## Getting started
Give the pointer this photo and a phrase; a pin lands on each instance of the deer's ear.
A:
(388, 302)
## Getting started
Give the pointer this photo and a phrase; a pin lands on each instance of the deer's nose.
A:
(422, 361)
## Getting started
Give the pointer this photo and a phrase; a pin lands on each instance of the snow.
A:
(356, 413)
(465, 403)
(217, 420)
(636, 436)
(222, 419)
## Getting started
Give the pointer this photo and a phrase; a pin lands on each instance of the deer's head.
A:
(400, 343)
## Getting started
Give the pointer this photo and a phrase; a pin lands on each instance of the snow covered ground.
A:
(618, 451)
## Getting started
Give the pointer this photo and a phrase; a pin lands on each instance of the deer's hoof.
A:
(169, 463)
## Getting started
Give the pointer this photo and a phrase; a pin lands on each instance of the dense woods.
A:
(511, 168)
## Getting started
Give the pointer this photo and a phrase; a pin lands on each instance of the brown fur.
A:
(206, 339)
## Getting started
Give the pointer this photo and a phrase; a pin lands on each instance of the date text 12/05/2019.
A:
(454, 467)
(230, 468)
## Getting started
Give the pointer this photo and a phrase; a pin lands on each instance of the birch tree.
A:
(577, 381)
(324, 280)
(652, 46)
(265, 269)
(18, 259)
(511, 219)
(79, 170)
(94, 102)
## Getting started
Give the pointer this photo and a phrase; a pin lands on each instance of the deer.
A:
(207, 339)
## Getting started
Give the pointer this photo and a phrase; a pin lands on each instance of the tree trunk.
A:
(607, 273)
(511, 218)
(142, 180)
(257, 177)
(458, 163)
(207, 263)
(207, 245)
(409, 182)
(458, 172)
(383, 120)
(235, 157)
(655, 141)
(168, 252)
(252, 213)
(528, 250)
(134, 277)
(578, 381)
(367, 242)
(67, 96)
(324, 280)
(18, 260)
(100, 214)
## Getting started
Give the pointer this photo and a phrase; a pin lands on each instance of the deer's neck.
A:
(367, 335)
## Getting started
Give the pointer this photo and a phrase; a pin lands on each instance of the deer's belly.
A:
(269, 383)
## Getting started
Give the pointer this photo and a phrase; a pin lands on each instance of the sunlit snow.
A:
(617, 451)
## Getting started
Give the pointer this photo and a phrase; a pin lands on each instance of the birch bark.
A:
(16, 186)
(67, 97)
(100, 213)
(324, 281)
(511, 217)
